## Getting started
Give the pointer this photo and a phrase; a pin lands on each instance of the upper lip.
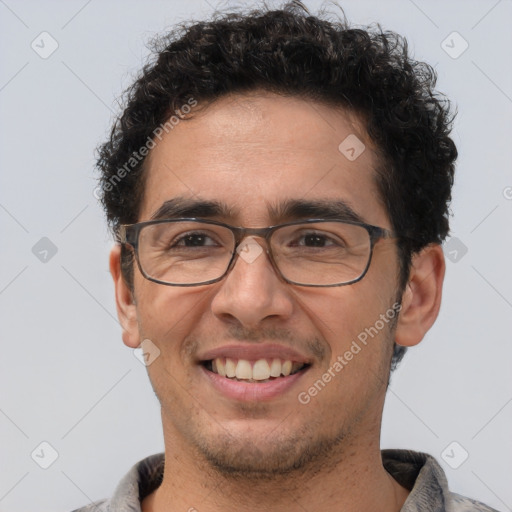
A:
(254, 352)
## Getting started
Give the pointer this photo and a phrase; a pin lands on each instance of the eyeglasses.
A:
(193, 252)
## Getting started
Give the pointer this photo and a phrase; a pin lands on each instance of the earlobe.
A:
(125, 301)
(421, 299)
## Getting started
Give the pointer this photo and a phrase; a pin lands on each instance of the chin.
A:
(265, 456)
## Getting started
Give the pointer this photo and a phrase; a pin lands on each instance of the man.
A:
(279, 186)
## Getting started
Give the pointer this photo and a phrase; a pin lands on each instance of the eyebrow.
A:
(329, 209)
(185, 207)
(288, 210)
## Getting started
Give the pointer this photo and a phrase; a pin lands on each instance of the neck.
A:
(350, 478)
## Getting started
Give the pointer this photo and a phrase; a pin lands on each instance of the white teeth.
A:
(286, 368)
(221, 369)
(230, 368)
(275, 368)
(243, 369)
(260, 370)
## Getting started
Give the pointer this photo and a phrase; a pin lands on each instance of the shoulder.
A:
(424, 477)
(464, 504)
(97, 506)
(142, 479)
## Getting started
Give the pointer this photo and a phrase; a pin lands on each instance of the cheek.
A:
(340, 313)
(166, 315)
(349, 319)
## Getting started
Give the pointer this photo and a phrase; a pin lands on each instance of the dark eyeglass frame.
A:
(129, 235)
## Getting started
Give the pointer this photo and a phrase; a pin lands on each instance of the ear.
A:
(421, 299)
(125, 303)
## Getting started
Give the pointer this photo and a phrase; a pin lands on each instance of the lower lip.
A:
(252, 391)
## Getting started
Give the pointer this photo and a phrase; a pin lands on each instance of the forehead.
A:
(254, 152)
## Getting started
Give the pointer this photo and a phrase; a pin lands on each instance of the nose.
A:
(252, 292)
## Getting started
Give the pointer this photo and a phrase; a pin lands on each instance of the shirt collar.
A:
(417, 472)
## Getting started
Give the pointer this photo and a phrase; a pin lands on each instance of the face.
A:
(253, 154)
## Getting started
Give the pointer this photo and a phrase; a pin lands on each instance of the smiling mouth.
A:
(259, 371)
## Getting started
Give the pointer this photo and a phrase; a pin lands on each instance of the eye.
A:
(195, 239)
(315, 240)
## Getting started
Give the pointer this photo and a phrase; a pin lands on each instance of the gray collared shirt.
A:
(417, 472)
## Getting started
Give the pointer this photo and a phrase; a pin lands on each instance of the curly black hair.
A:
(293, 53)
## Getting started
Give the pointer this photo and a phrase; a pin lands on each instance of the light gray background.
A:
(65, 376)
